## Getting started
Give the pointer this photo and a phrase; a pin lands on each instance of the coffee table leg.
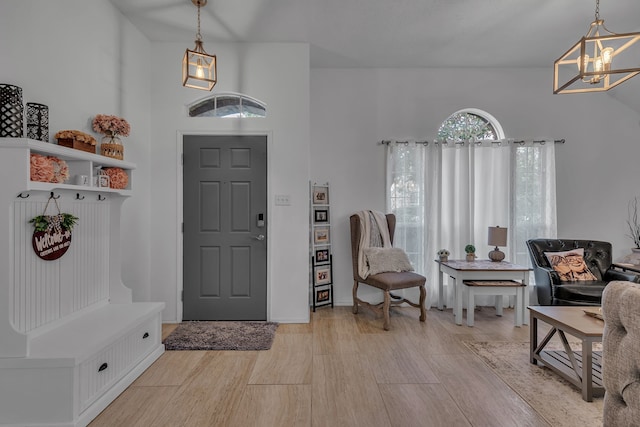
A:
(440, 290)
(533, 337)
(587, 371)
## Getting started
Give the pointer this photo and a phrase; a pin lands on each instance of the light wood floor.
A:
(339, 370)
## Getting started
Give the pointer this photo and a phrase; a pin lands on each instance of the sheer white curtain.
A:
(447, 195)
(533, 209)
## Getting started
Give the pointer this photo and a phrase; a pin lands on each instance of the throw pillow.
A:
(570, 265)
(381, 260)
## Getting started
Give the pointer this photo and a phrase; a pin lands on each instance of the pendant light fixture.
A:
(198, 67)
(599, 61)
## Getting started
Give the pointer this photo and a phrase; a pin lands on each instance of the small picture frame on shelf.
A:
(322, 296)
(321, 236)
(321, 215)
(322, 256)
(322, 275)
(320, 195)
(103, 181)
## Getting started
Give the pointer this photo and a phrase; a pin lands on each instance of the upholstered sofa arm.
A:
(620, 349)
(612, 274)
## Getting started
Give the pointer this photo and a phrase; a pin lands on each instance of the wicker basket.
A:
(115, 151)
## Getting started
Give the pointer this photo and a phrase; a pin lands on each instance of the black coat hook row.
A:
(79, 197)
(23, 196)
(101, 198)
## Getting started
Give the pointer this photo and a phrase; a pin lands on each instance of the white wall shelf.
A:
(79, 162)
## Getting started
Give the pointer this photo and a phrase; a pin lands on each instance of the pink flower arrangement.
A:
(48, 169)
(111, 125)
(60, 170)
(118, 178)
(41, 168)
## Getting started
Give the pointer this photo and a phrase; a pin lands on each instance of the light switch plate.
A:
(283, 200)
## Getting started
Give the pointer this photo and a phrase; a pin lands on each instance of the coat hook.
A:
(101, 198)
(78, 197)
(53, 196)
(23, 196)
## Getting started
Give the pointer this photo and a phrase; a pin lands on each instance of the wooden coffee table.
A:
(581, 368)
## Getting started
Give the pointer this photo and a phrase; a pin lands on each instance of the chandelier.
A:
(198, 67)
(599, 61)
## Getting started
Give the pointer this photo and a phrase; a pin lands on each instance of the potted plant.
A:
(443, 255)
(471, 252)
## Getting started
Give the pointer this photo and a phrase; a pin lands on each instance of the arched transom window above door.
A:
(228, 105)
(470, 125)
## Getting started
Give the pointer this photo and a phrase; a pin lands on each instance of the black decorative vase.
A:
(11, 111)
(37, 121)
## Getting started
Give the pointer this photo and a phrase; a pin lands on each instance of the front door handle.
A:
(258, 237)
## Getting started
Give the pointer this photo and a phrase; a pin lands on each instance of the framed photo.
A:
(321, 215)
(323, 295)
(321, 236)
(103, 181)
(322, 256)
(322, 275)
(320, 195)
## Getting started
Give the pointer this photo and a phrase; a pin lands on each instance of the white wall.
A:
(277, 74)
(354, 109)
(81, 59)
(84, 58)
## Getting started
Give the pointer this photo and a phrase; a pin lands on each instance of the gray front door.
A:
(225, 216)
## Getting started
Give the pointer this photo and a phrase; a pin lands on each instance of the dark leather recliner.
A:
(597, 256)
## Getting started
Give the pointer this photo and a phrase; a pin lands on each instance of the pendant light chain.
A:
(597, 10)
(198, 35)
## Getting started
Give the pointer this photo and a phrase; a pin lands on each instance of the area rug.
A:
(202, 335)
(555, 399)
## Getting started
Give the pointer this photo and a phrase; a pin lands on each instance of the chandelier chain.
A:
(198, 35)
(597, 10)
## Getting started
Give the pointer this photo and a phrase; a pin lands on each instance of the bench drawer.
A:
(98, 373)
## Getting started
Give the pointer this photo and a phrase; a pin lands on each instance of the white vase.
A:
(633, 257)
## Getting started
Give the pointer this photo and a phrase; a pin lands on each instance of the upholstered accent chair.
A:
(385, 281)
(598, 258)
(620, 350)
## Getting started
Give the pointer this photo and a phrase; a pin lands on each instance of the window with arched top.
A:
(470, 124)
(228, 105)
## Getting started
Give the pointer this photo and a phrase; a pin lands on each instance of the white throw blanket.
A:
(380, 238)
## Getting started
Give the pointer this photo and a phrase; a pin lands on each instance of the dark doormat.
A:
(236, 335)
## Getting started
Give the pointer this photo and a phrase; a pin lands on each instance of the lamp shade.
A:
(497, 236)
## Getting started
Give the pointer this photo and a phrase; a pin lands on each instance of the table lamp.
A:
(497, 237)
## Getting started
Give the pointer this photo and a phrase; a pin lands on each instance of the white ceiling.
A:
(392, 33)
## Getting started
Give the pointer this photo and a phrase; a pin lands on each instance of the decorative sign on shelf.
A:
(52, 235)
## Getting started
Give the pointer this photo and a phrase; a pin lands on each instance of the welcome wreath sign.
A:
(52, 235)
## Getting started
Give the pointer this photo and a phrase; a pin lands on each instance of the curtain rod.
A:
(497, 141)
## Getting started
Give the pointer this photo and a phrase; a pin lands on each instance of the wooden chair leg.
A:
(423, 297)
(355, 297)
(385, 310)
